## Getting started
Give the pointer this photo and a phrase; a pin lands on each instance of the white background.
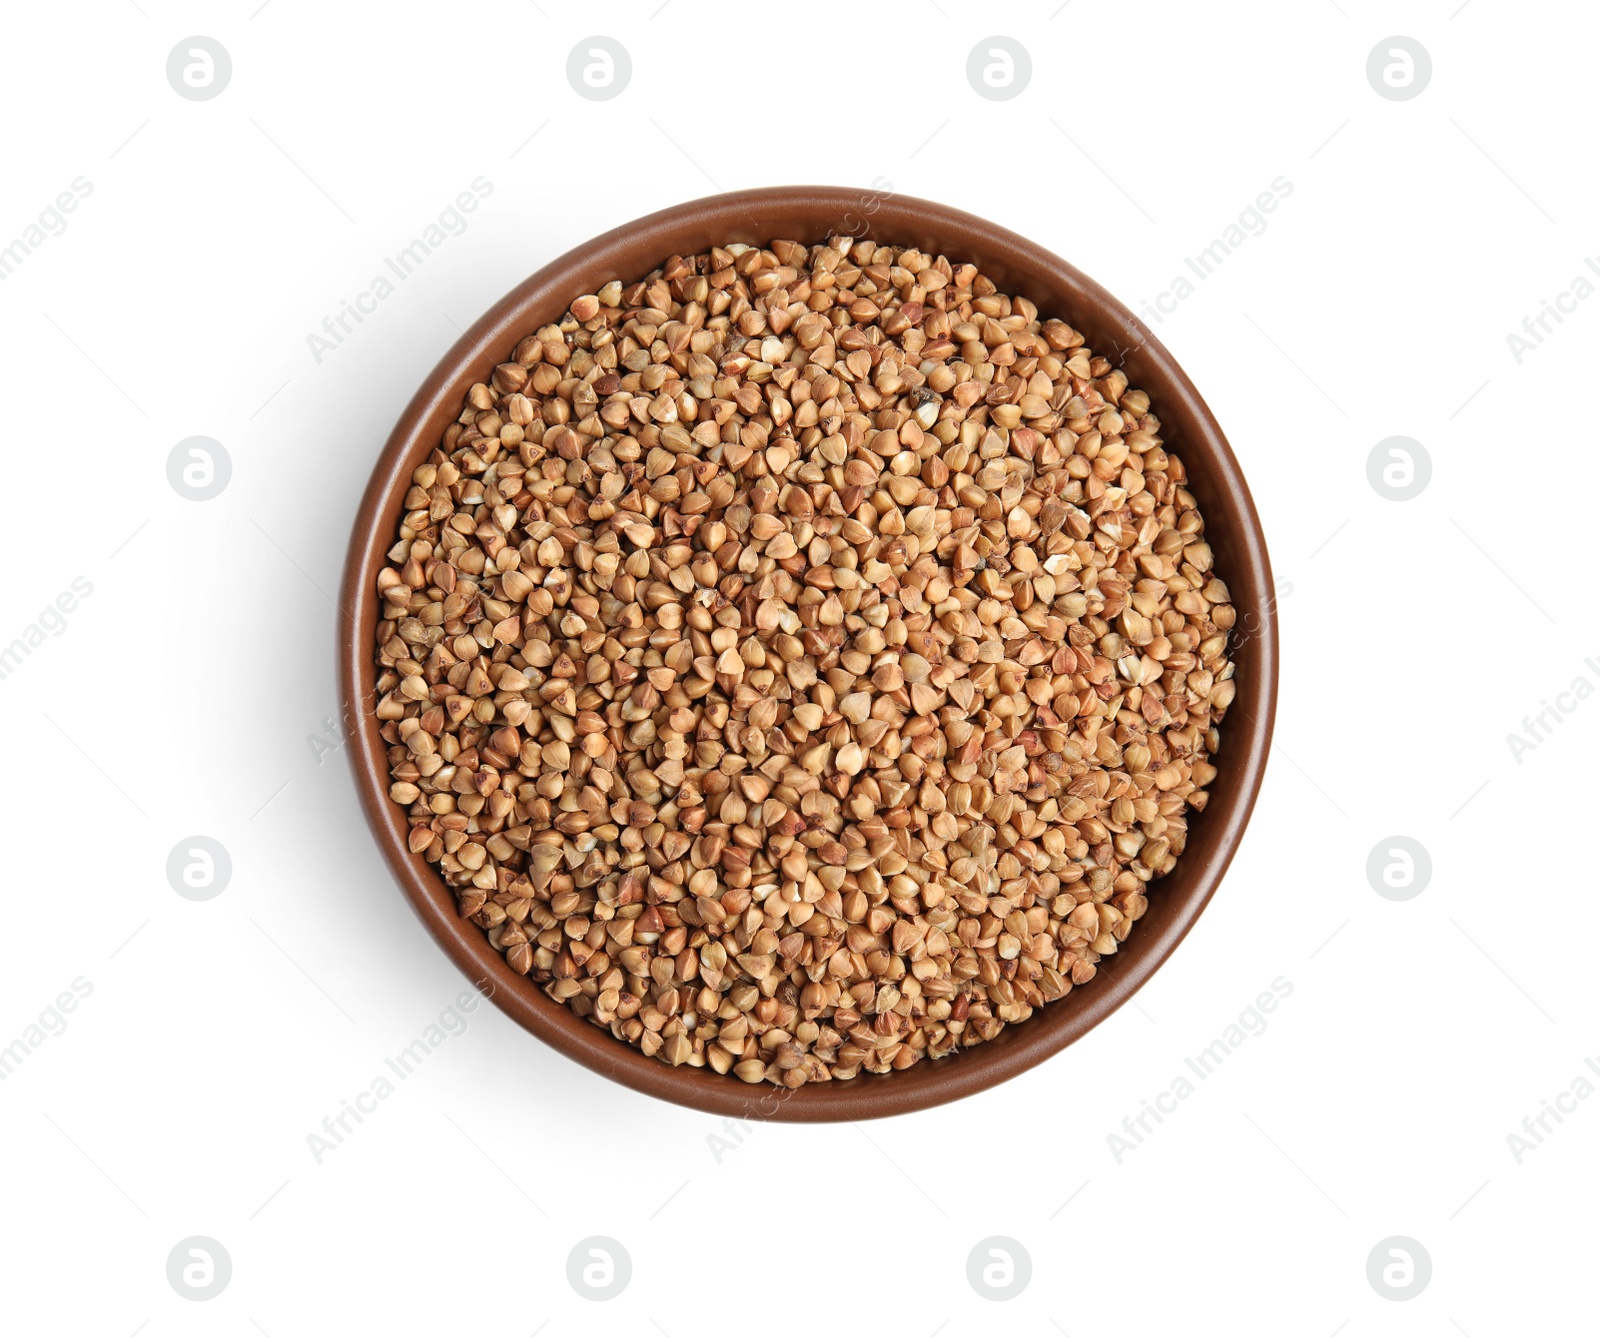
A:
(184, 692)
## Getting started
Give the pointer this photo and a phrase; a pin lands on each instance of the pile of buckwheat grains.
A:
(801, 661)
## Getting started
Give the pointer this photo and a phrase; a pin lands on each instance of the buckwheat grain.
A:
(802, 661)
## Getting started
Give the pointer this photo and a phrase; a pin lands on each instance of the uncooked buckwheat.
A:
(801, 661)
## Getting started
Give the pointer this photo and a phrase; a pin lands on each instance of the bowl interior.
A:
(1017, 266)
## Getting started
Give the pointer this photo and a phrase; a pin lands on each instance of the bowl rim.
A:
(1018, 266)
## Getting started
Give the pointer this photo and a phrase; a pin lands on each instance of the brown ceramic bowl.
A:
(808, 213)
